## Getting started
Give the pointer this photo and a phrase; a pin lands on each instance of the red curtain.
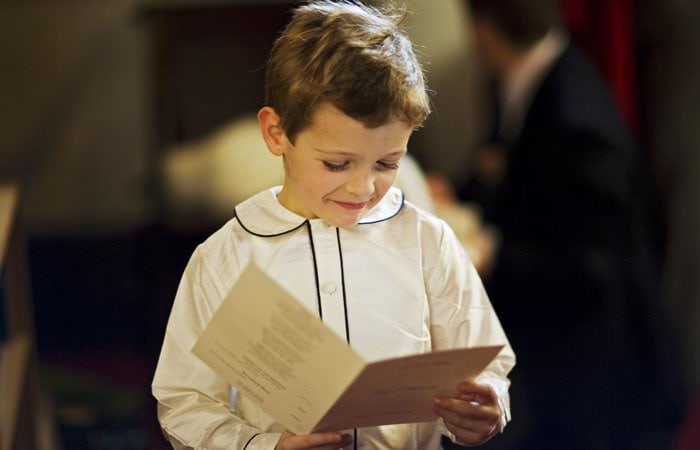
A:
(604, 30)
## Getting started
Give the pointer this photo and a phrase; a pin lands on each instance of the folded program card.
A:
(282, 357)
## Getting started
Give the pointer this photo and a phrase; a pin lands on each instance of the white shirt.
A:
(520, 85)
(397, 283)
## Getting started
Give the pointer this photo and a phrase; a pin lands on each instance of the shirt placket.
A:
(330, 278)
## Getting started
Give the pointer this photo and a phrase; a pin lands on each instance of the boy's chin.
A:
(348, 221)
(343, 224)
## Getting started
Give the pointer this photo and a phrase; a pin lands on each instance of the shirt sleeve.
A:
(193, 401)
(462, 315)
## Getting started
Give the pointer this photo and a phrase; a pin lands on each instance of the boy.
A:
(344, 93)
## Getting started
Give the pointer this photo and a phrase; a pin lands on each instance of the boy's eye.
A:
(335, 167)
(388, 165)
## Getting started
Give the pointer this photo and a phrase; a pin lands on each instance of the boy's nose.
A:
(360, 186)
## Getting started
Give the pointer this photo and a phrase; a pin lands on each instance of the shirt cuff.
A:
(501, 392)
(443, 430)
(263, 441)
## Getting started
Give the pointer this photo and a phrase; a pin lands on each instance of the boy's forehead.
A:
(327, 115)
(385, 139)
(331, 130)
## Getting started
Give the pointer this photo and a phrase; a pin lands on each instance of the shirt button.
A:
(329, 288)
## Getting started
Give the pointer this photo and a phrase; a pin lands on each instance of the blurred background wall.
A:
(78, 110)
(461, 118)
(75, 113)
(670, 93)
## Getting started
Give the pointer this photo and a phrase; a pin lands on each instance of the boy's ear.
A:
(272, 131)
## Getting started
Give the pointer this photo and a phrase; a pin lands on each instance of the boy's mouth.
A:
(351, 205)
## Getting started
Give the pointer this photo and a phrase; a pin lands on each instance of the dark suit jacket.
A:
(565, 206)
(573, 283)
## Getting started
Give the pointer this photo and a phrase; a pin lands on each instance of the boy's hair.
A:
(351, 55)
(523, 22)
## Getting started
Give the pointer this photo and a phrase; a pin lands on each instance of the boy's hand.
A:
(313, 441)
(472, 416)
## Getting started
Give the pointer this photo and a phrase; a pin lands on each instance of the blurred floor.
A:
(101, 306)
(101, 400)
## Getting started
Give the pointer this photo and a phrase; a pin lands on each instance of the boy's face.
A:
(338, 169)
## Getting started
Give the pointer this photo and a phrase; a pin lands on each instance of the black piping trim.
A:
(345, 310)
(342, 282)
(235, 215)
(251, 440)
(403, 200)
(313, 255)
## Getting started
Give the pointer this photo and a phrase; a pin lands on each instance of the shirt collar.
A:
(263, 214)
(520, 85)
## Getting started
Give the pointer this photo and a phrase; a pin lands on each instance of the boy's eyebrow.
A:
(344, 153)
(335, 152)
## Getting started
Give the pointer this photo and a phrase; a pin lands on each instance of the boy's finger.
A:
(485, 393)
(346, 440)
(466, 436)
(466, 423)
(466, 409)
(472, 399)
(318, 440)
(469, 397)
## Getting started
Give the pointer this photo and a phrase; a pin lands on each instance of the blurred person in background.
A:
(572, 277)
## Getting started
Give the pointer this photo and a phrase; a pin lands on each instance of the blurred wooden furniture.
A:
(21, 416)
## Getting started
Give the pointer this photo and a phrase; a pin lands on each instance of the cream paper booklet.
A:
(281, 356)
